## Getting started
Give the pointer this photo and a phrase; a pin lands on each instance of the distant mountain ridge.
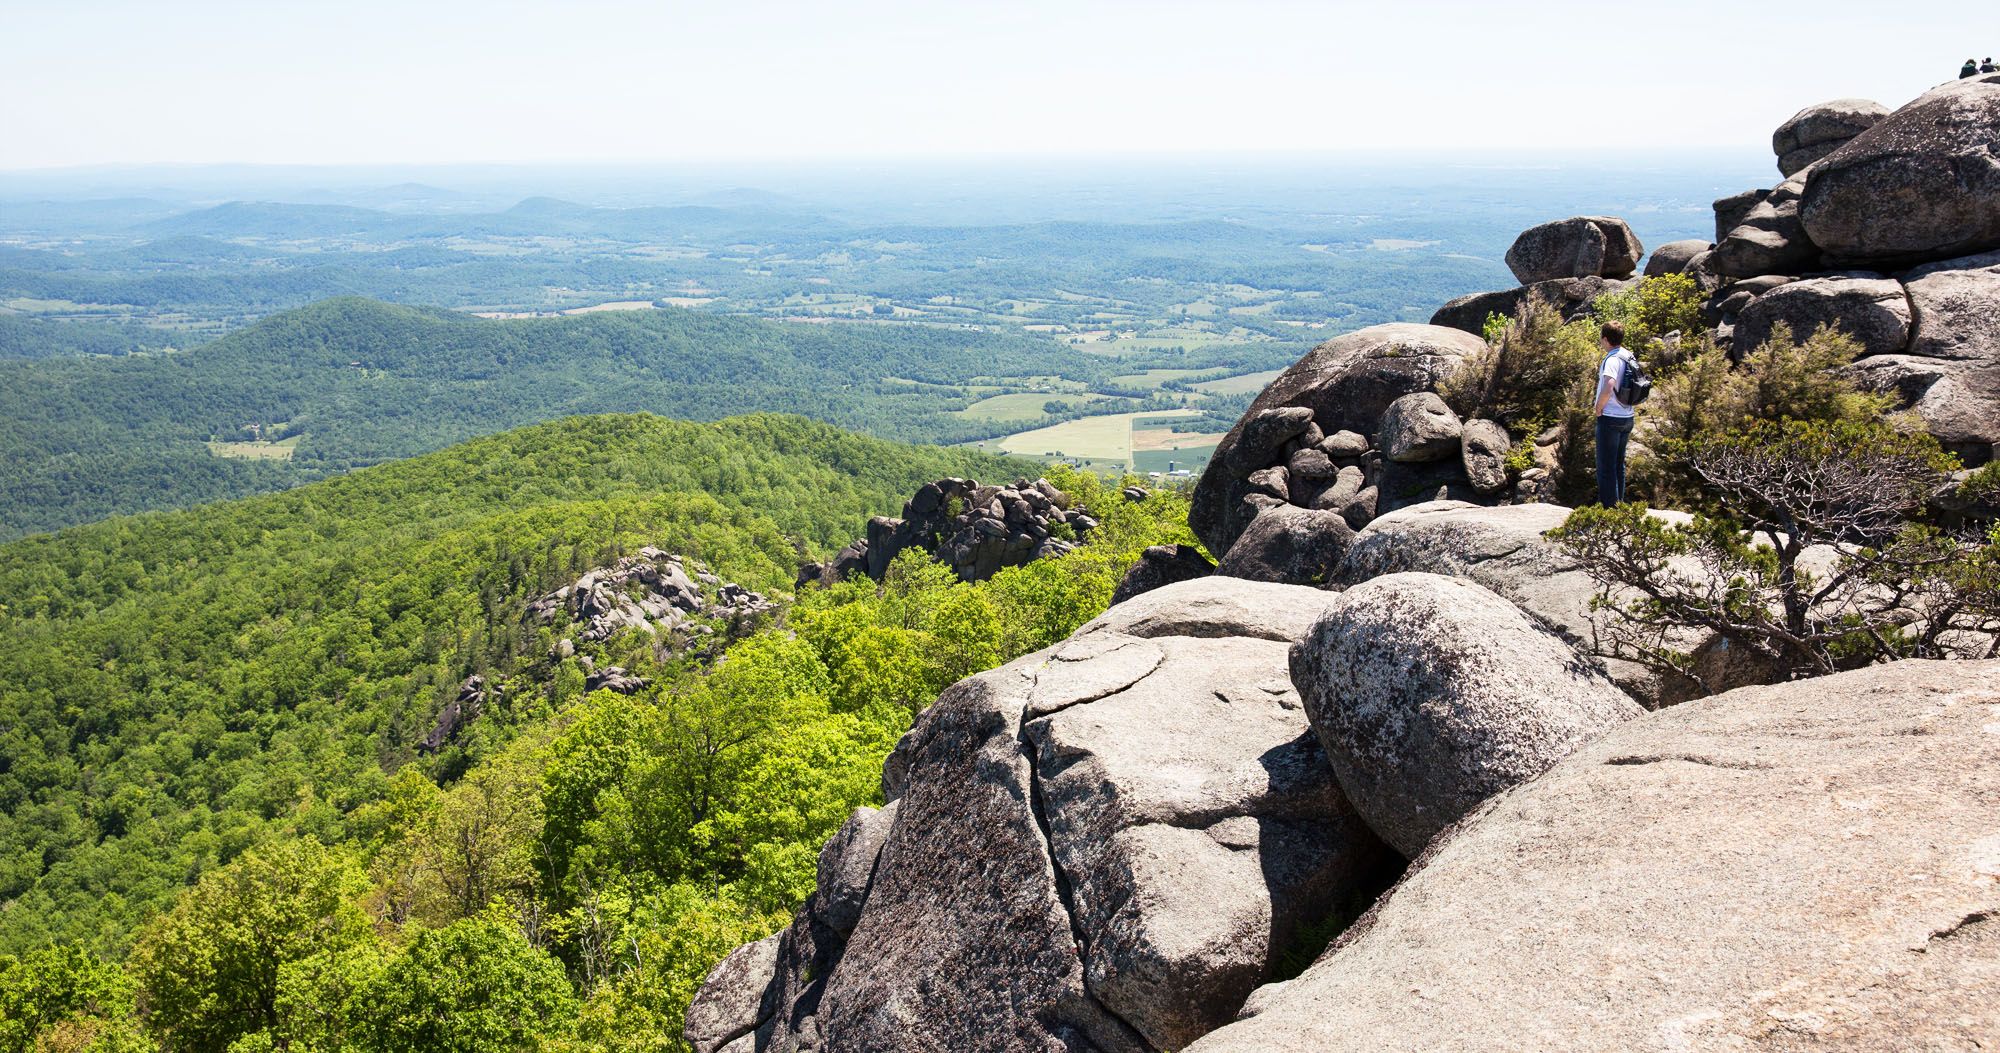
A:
(358, 382)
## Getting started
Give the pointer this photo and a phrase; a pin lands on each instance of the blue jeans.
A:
(1612, 435)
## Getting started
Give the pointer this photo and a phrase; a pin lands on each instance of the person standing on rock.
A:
(1614, 417)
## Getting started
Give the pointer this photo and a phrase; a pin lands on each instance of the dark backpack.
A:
(1634, 386)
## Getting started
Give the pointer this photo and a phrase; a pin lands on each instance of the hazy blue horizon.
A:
(453, 81)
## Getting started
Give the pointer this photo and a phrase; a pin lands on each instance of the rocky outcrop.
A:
(1341, 386)
(1571, 297)
(1770, 239)
(1106, 845)
(1159, 566)
(1921, 184)
(653, 592)
(457, 714)
(1816, 131)
(976, 530)
(1432, 694)
(1579, 247)
(1868, 307)
(1674, 256)
(1807, 866)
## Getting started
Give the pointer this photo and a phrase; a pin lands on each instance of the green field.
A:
(1101, 440)
(1022, 405)
(1252, 382)
(1151, 378)
(1192, 458)
(256, 451)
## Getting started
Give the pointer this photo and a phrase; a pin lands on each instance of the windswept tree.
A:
(1815, 556)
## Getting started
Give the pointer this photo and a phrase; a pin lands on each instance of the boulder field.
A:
(1374, 780)
(1885, 226)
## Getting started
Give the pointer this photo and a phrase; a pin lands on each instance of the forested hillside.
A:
(171, 683)
(355, 382)
(230, 697)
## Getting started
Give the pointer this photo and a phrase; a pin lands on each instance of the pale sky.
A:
(445, 81)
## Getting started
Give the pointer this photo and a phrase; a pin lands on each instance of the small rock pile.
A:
(1352, 431)
(976, 530)
(654, 591)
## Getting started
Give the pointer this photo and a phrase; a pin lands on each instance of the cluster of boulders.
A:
(654, 592)
(1117, 843)
(976, 530)
(1391, 716)
(1885, 227)
(1352, 431)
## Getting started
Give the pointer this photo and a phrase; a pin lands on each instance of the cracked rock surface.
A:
(1813, 865)
(1105, 845)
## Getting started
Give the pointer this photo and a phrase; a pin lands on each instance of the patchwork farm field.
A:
(1112, 441)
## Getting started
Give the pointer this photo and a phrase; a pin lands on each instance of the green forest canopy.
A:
(172, 682)
(219, 836)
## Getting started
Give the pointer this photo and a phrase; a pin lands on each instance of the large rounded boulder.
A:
(1868, 307)
(1816, 131)
(1432, 694)
(1674, 256)
(1578, 247)
(1922, 184)
(1341, 386)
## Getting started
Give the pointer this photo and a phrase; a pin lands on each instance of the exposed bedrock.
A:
(1812, 865)
(1105, 845)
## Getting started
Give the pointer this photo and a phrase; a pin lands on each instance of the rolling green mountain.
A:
(348, 382)
(177, 686)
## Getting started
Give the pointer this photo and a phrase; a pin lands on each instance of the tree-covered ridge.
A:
(213, 711)
(358, 382)
(172, 685)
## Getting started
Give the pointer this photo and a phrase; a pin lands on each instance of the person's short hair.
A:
(1613, 332)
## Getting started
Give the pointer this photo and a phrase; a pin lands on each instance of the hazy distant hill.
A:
(351, 382)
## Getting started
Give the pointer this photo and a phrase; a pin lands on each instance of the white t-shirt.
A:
(1609, 376)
